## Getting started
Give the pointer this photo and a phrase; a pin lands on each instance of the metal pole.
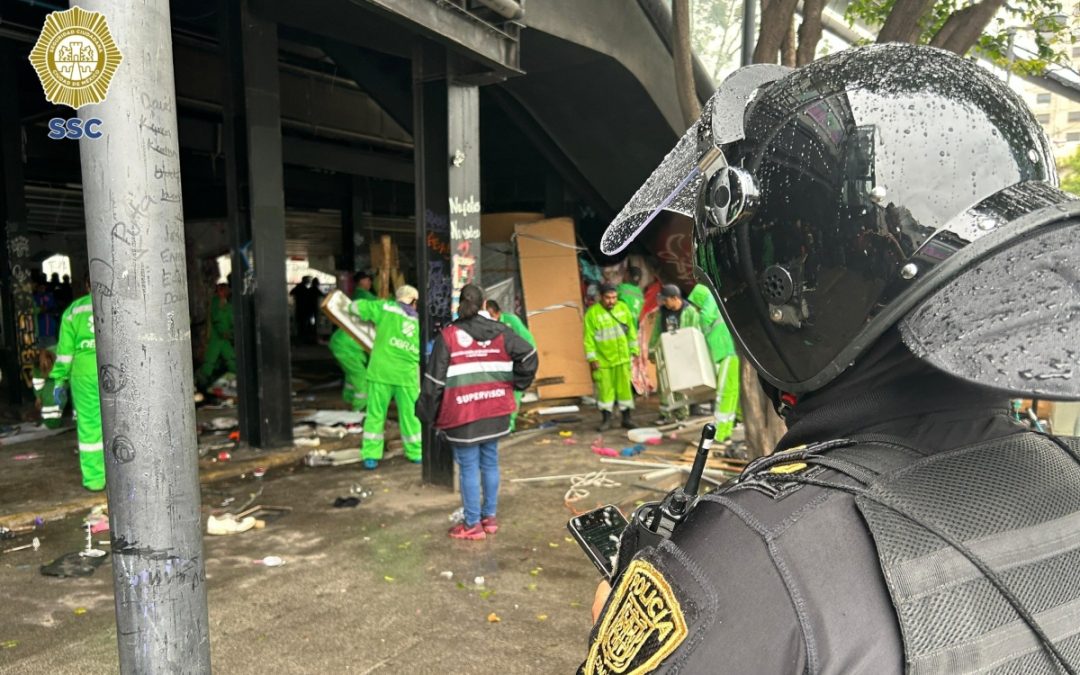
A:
(135, 234)
(748, 26)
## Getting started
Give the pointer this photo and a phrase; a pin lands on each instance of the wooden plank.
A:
(551, 285)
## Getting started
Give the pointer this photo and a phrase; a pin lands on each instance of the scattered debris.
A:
(541, 617)
(493, 618)
(9, 644)
(558, 410)
(446, 574)
(270, 561)
(228, 524)
(26, 456)
(36, 544)
(388, 579)
(307, 442)
(79, 611)
(334, 417)
(332, 458)
(479, 581)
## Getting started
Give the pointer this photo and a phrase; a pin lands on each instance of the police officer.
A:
(905, 523)
(393, 373)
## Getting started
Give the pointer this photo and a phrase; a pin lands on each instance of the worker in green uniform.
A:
(352, 357)
(518, 326)
(630, 292)
(725, 361)
(76, 360)
(219, 346)
(675, 313)
(52, 409)
(393, 373)
(610, 335)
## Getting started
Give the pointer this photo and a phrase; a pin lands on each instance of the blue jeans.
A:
(479, 466)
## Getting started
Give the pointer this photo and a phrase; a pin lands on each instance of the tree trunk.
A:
(763, 426)
(776, 19)
(684, 62)
(963, 28)
(809, 31)
(902, 24)
(787, 47)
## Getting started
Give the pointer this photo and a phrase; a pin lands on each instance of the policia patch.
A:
(643, 625)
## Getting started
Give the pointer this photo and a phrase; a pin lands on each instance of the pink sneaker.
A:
(490, 524)
(460, 531)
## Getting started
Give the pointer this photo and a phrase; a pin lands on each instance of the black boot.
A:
(626, 423)
(605, 420)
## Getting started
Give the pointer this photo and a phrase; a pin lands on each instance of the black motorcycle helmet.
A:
(880, 185)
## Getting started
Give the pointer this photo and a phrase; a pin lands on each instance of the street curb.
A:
(270, 460)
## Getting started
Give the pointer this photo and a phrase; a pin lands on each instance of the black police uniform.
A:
(908, 525)
(778, 577)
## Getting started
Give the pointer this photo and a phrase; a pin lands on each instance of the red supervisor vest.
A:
(479, 380)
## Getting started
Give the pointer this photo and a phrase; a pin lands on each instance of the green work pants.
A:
(353, 361)
(217, 349)
(84, 393)
(613, 385)
(517, 406)
(727, 396)
(378, 402)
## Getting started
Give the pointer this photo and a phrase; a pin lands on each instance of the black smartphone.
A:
(597, 533)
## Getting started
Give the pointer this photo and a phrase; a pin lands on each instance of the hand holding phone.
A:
(597, 533)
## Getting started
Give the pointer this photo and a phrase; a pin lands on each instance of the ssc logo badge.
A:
(643, 625)
(75, 57)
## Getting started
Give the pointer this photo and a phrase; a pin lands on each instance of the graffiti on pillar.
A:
(248, 281)
(465, 240)
(22, 295)
(439, 287)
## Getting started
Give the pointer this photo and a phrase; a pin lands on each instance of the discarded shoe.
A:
(371, 464)
(228, 524)
(461, 531)
(490, 524)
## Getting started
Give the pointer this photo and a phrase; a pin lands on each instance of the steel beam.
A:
(343, 159)
(431, 140)
(256, 214)
(457, 30)
(135, 236)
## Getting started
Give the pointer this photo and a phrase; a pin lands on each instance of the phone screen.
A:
(598, 532)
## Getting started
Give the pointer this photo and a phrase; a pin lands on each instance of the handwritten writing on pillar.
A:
(436, 222)
(439, 290)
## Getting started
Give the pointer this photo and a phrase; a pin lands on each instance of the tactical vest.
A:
(979, 546)
(479, 380)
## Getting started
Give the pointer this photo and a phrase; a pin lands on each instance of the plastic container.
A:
(644, 435)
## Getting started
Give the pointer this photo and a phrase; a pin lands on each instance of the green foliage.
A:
(1069, 170)
(1041, 21)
